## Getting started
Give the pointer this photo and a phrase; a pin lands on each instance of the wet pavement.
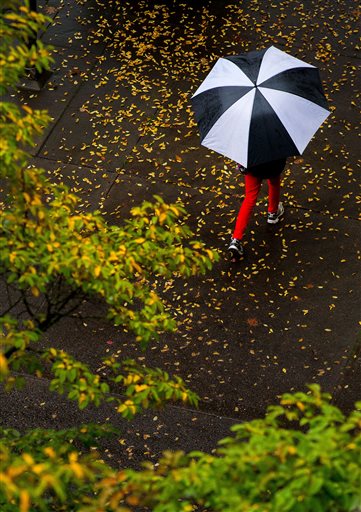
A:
(123, 130)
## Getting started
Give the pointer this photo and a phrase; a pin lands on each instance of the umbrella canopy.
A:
(259, 106)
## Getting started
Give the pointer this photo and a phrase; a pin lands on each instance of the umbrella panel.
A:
(300, 117)
(210, 105)
(249, 63)
(268, 138)
(304, 82)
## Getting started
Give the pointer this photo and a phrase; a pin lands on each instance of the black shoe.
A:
(235, 249)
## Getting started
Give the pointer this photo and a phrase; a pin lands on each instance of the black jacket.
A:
(266, 170)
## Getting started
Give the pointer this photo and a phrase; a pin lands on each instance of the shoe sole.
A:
(276, 221)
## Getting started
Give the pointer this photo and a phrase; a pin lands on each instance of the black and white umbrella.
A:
(259, 106)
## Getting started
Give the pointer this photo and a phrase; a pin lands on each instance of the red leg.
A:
(274, 190)
(253, 185)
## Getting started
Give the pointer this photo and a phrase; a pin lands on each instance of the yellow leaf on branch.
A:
(35, 291)
(162, 217)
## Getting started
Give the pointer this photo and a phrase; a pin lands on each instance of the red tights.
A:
(253, 185)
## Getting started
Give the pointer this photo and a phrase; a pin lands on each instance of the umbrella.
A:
(259, 106)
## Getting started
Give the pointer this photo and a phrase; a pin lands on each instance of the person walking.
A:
(271, 171)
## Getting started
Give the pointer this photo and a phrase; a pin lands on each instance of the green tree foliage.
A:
(42, 470)
(53, 256)
(304, 456)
